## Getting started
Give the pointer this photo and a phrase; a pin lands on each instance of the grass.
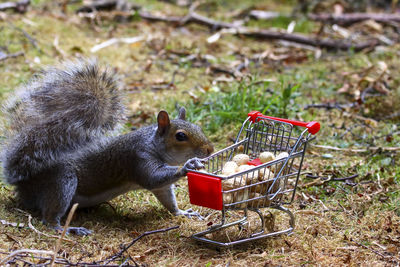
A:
(219, 106)
(367, 213)
(282, 22)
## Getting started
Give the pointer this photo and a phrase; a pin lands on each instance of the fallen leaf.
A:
(373, 25)
(193, 96)
(372, 123)
(150, 251)
(341, 31)
(135, 106)
(264, 15)
(291, 26)
(344, 89)
(113, 41)
(213, 38)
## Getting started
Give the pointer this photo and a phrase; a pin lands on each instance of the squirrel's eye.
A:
(181, 136)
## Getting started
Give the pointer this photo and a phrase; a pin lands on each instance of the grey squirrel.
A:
(60, 150)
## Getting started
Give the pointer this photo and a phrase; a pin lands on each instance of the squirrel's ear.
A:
(163, 122)
(182, 113)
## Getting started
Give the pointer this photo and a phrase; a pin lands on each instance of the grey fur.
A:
(59, 153)
(57, 112)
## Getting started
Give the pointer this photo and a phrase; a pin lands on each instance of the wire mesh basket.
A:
(257, 185)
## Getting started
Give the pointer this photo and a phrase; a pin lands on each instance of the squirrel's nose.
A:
(207, 149)
(210, 149)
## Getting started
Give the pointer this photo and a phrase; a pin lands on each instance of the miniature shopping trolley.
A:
(265, 185)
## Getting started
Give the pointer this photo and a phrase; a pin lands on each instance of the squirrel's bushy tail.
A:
(57, 112)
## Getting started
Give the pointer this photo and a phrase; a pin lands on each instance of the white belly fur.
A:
(88, 201)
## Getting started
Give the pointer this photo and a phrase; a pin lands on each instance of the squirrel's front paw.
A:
(190, 214)
(192, 164)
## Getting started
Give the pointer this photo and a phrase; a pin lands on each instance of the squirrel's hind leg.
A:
(56, 199)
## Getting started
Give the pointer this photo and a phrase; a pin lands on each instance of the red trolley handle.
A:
(313, 126)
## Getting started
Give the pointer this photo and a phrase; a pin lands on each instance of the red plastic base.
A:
(205, 190)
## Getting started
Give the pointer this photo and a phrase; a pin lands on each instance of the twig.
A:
(57, 47)
(366, 91)
(171, 19)
(104, 5)
(345, 178)
(20, 7)
(322, 180)
(316, 182)
(219, 69)
(326, 179)
(302, 39)
(99, 5)
(4, 57)
(169, 85)
(320, 201)
(125, 248)
(393, 259)
(37, 231)
(215, 25)
(17, 252)
(196, 18)
(192, 17)
(58, 243)
(30, 38)
(260, 34)
(112, 41)
(61, 261)
(330, 106)
(357, 150)
(13, 224)
(308, 212)
(351, 18)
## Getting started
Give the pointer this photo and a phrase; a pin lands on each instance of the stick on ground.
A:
(20, 7)
(193, 17)
(23, 251)
(351, 18)
(125, 248)
(13, 55)
(215, 25)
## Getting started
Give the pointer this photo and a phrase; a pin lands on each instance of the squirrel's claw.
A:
(192, 164)
(190, 213)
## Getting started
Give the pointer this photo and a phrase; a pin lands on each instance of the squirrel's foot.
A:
(81, 231)
(190, 213)
(192, 164)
